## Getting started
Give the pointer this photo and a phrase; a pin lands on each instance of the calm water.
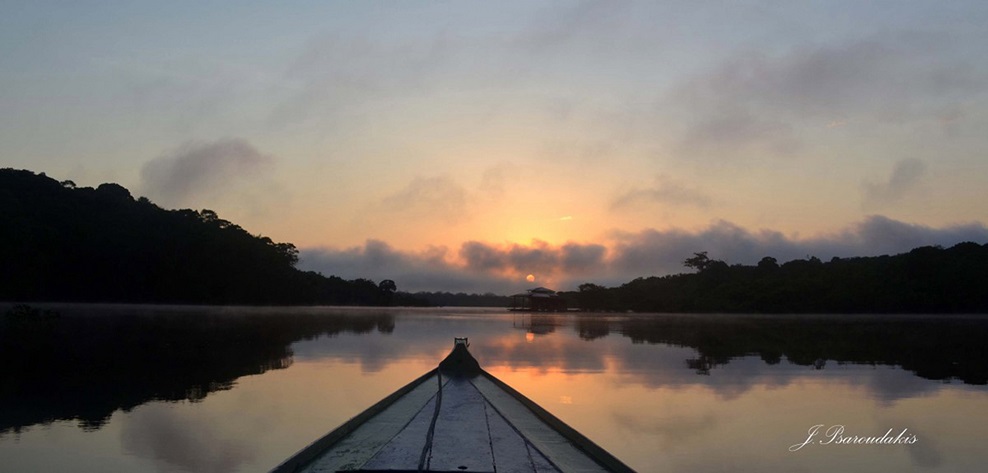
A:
(224, 390)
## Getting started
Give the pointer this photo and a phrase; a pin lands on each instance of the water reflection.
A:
(936, 348)
(85, 367)
(182, 441)
(659, 391)
(91, 362)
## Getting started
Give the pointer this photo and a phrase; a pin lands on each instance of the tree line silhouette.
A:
(929, 279)
(60, 242)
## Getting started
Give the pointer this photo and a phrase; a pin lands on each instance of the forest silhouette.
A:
(64, 243)
(928, 279)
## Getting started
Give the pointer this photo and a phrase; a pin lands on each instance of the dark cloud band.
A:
(482, 267)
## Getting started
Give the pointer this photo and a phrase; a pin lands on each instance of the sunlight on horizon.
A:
(788, 134)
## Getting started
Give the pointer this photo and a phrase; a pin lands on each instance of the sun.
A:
(530, 278)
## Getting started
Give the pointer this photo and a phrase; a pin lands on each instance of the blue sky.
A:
(466, 145)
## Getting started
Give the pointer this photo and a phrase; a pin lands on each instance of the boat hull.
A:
(456, 418)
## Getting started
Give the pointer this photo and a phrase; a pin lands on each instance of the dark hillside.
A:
(59, 242)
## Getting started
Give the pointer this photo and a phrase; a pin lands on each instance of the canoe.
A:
(455, 418)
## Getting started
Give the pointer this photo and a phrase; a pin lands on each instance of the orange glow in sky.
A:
(354, 126)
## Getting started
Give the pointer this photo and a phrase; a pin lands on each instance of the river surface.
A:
(185, 389)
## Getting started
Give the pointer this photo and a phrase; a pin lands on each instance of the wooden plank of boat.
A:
(455, 418)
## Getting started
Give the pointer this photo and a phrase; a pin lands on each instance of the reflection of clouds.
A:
(414, 337)
(190, 443)
(884, 384)
(731, 381)
(646, 396)
(672, 431)
(496, 340)
(887, 384)
(560, 353)
(493, 342)
(925, 452)
(664, 366)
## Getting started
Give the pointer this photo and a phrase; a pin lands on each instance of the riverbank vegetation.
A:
(64, 243)
(928, 279)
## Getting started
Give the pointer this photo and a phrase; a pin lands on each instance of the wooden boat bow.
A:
(455, 418)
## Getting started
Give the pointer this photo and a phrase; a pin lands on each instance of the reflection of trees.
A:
(87, 367)
(592, 328)
(537, 324)
(932, 348)
(702, 365)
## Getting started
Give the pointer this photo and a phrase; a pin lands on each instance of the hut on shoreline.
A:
(539, 299)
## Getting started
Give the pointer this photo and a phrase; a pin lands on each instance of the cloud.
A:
(725, 132)
(201, 168)
(494, 180)
(439, 200)
(347, 78)
(906, 176)
(758, 101)
(663, 191)
(429, 270)
(578, 25)
(582, 259)
(538, 258)
(482, 257)
(477, 267)
(656, 252)
(661, 252)
(337, 74)
(429, 197)
(485, 267)
(878, 235)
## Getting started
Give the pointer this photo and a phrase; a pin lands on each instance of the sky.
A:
(496, 146)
